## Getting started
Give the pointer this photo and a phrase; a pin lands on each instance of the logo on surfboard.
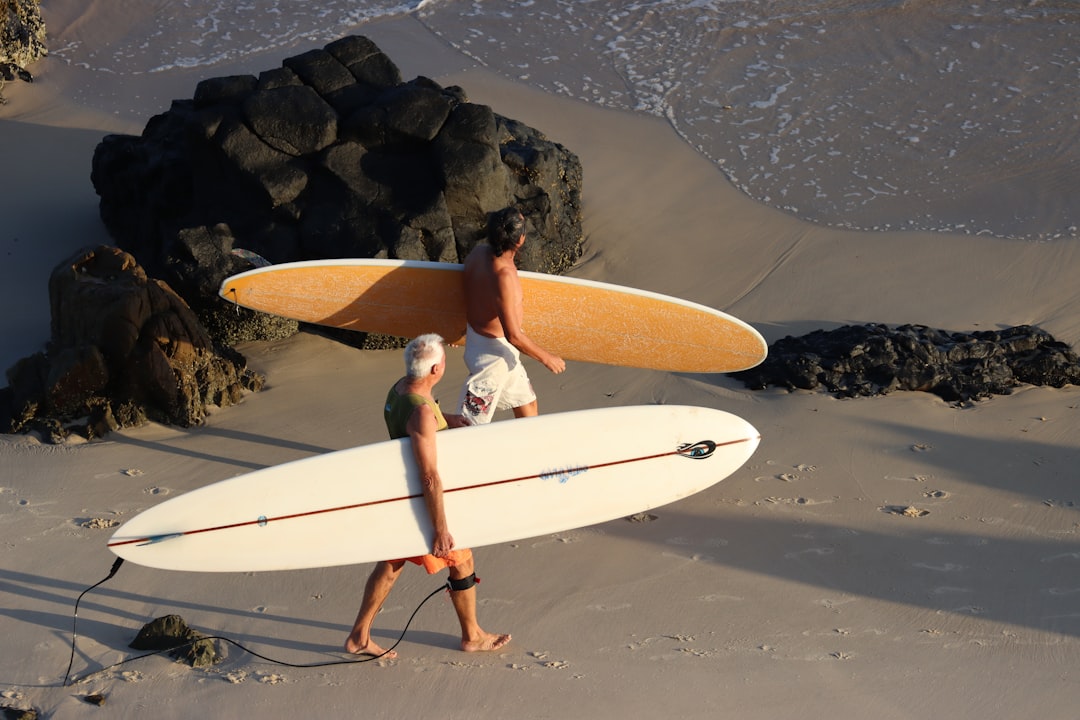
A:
(697, 451)
(563, 475)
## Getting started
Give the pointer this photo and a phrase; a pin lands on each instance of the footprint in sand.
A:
(820, 552)
(773, 500)
(541, 656)
(98, 523)
(695, 652)
(833, 603)
(642, 517)
(905, 511)
(270, 678)
(968, 610)
(552, 540)
(720, 598)
(945, 568)
(157, 491)
(921, 447)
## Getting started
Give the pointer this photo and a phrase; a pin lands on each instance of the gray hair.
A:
(421, 353)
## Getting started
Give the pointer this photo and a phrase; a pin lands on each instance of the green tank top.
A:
(399, 408)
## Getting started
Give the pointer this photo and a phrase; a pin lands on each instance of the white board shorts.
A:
(497, 378)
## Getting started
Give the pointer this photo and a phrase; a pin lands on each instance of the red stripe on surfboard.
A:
(371, 503)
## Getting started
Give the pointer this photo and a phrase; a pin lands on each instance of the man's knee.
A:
(389, 569)
(462, 568)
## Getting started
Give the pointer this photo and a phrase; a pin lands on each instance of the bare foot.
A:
(486, 643)
(372, 649)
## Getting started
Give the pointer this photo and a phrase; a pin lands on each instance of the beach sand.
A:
(796, 588)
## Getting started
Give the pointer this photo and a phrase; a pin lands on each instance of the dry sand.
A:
(795, 588)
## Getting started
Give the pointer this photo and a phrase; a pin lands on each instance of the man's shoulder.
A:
(480, 252)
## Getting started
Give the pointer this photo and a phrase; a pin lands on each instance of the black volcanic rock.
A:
(329, 156)
(873, 359)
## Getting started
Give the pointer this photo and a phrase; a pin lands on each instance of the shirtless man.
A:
(494, 337)
(411, 411)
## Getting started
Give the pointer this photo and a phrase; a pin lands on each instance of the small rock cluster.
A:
(170, 632)
(22, 39)
(873, 359)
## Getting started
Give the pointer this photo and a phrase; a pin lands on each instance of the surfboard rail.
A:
(575, 318)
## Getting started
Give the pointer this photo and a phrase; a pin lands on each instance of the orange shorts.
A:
(434, 564)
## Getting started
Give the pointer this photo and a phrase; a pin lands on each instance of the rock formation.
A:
(22, 39)
(330, 155)
(861, 360)
(170, 633)
(124, 348)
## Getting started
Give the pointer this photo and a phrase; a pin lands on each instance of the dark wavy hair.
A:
(504, 229)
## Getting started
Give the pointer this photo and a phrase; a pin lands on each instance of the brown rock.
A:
(124, 348)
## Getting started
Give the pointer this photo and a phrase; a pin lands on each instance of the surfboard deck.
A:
(503, 481)
(576, 319)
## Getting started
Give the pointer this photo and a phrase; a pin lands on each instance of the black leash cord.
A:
(75, 618)
(119, 562)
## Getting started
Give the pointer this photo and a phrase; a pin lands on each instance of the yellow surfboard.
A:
(576, 319)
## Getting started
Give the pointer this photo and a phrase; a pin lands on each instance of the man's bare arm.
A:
(422, 428)
(507, 297)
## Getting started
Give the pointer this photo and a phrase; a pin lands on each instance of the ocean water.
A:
(950, 115)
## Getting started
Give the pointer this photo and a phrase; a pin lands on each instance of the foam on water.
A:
(882, 114)
(847, 113)
(224, 30)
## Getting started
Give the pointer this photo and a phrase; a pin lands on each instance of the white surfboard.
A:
(504, 481)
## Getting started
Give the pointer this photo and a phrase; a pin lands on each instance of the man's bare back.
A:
(486, 279)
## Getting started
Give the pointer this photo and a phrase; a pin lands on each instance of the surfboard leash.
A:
(120, 561)
(75, 618)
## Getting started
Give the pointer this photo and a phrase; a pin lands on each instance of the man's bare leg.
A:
(376, 590)
(473, 637)
(528, 410)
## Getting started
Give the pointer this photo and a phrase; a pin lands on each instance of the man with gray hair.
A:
(411, 411)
